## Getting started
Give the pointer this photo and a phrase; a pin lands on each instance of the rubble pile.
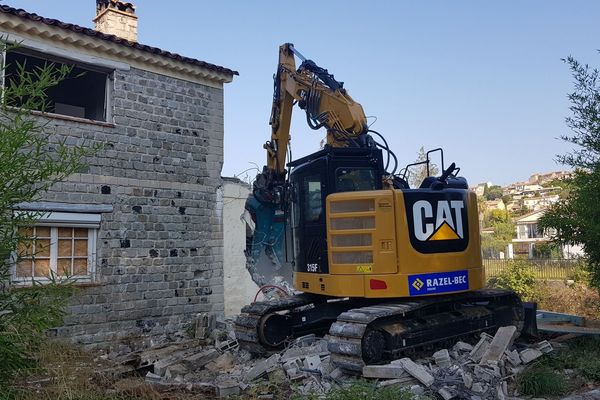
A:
(214, 364)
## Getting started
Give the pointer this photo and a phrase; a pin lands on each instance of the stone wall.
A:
(160, 252)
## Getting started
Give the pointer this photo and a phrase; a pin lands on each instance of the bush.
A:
(31, 161)
(518, 277)
(578, 299)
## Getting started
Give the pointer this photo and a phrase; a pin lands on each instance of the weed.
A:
(542, 380)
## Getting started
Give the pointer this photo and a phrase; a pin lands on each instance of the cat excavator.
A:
(379, 267)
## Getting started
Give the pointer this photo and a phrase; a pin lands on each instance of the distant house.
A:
(529, 235)
(495, 205)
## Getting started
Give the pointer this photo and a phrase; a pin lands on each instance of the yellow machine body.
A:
(381, 247)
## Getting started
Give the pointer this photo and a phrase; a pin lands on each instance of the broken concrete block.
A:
(462, 347)
(318, 349)
(479, 349)
(199, 360)
(446, 393)
(228, 388)
(174, 371)
(513, 357)
(336, 374)
(501, 341)
(479, 387)
(528, 355)
(262, 367)
(402, 381)
(544, 346)
(389, 371)
(467, 379)
(312, 362)
(417, 371)
(205, 323)
(442, 358)
(153, 378)
(487, 373)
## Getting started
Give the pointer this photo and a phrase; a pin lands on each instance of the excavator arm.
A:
(326, 102)
(327, 105)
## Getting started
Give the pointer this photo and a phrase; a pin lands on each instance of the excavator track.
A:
(248, 324)
(363, 331)
(374, 334)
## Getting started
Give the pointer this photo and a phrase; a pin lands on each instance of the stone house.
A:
(140, 230)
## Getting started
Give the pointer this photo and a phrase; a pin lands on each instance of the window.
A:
(61, 245)
(354, 179)
(533, 232)
(313, 204)
(83, 94)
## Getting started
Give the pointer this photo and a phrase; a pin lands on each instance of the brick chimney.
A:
(115, 17)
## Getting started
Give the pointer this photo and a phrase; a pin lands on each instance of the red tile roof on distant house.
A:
(111, 38)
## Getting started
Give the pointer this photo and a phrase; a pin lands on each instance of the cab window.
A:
(313, 204)
(355, 179)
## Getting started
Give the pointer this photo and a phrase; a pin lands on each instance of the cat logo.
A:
(437, 221)
(445, 218)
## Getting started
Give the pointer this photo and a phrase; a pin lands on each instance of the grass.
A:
(548, 378)
(363, 390)
(67, 373)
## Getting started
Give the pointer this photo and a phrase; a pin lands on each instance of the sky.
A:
(483, 80)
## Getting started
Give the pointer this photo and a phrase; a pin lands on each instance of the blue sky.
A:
(483, 80)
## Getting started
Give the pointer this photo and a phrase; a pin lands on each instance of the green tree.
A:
(419, 172)
(576, 218)
(30, 162)
(492, 192)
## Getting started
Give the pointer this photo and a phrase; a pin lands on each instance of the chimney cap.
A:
(116, 4)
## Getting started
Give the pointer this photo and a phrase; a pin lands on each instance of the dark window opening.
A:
(313, 203)
(355, 179)
(82, 94)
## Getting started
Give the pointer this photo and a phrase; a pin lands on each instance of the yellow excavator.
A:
(379, 266)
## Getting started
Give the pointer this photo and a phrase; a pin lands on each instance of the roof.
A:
(531, 216)
(4, 9)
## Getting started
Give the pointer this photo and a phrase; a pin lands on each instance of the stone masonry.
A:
(160, 252)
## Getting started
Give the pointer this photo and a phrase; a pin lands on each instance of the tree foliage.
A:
(419, 172)
(30, 162)
(492, 192)
(576, 218)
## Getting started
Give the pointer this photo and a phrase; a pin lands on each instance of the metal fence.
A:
(544, 269)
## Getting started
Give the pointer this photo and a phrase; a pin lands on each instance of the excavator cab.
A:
(312, 179)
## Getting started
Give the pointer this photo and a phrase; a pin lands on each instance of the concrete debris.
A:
(417, 371)
(442, 358)
(545, 347)
(214, 364)
(528, 355)
(479, 349)
(389, 371)
(461, 347)
(501, 341)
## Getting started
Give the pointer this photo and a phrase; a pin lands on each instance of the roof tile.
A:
(112, 38)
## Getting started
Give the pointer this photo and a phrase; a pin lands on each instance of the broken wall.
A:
(239, 287)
